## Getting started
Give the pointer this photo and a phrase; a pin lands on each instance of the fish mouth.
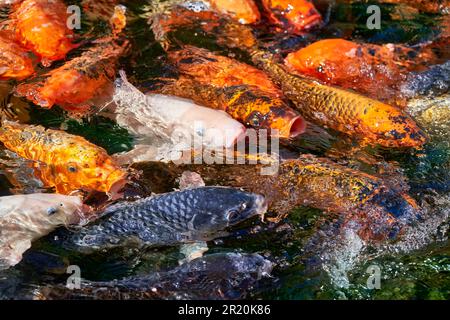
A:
(115, 182)
(287, 126)
(297, 127)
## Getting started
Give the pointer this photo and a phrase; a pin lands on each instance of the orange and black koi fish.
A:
(64, 161)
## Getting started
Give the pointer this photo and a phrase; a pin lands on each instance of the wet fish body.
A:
(41, 26)
(14, 60)
(432, 82)
(244, 11)
(292, 15)
(318, 183)
(189, 215)
(244, 92)
(25, 218)
(75, 85)
(216, 276)
(64, 161)
(370, 120)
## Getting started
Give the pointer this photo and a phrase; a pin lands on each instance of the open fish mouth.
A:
(115, 182)
(297, 127)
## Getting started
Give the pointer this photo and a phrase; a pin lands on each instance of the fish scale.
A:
(56, 152)
(159, 220)
(369, 120)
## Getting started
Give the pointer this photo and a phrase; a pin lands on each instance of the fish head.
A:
(91, 170)
(40, 212)
(392, 127)
(298, 14)
(25, 218)
(218, 130)
(220, 207)
(60, 209)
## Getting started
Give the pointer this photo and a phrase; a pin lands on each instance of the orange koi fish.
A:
(292, 15)
(64, 161)
(14, 61)
(41, 26)
(227, 31)
(78, 82)
(209, 68)
(244, 92)
(244, 11)
(246, 104)
(369, 69)
(369, 120)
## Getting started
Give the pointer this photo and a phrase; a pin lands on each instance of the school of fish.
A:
(364, 96)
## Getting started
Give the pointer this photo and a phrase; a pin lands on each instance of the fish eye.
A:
(255, 119)
(51, 211)
(233, 215)
(72, 168)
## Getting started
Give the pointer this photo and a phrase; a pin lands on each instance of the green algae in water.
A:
(99, 130)
(418, 275)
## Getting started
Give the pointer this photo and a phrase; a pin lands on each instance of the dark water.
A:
(407, 273)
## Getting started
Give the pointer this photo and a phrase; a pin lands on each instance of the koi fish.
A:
(246, 104)
(292, 15)
(75, 85)
(25, 218)
(367, 68)
(15, 63)
(64, 161)
(226, 31)
(244, 92)
(178, 122)
(244, 11)
(209, 68)
(370, 120)
(41, 26)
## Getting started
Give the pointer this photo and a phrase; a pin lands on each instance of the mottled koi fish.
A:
(41, 26)
(64, 161)
(305, 181)
(244, 92)
(75, 85)
(371, 121)
(247, 104)
(220, 71)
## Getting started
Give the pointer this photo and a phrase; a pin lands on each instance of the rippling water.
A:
(416, 268)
